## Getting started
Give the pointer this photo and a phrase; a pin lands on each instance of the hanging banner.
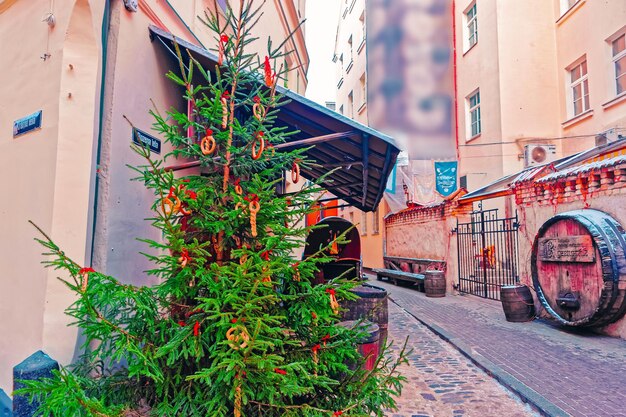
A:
(445, 177)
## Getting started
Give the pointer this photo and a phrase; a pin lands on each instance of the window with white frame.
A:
(566, 5)
(473, 105)
(618, 49)
(472, 26)
(579, 88)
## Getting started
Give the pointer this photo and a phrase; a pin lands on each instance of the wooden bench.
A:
(408, 269)
(396, 275)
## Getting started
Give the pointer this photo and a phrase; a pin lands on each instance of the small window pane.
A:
(621, 84)
(583, 66)
(577, 92)
(575, 73)
(620, 66)
(619, 45)
(578, 107)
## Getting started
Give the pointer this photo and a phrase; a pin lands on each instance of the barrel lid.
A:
(369, 291)
(364, 326)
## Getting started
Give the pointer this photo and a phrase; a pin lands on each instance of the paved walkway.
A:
(579, 372)
(441, 381)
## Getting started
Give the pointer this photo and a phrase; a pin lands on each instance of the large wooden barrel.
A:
(368, 345)
(517, 303)
(435, 283)
(371, 305)
(578, 267)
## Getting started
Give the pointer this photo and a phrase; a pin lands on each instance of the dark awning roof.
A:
(366, 156)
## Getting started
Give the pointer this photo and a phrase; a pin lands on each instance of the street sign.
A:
(141, 138)
(26, 124)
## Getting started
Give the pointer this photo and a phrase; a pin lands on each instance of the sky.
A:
(321, 27)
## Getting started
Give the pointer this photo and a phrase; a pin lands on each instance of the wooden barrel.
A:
(367, 345)
(578, 266)
(517, 303)
(371, 305)
(435, 283)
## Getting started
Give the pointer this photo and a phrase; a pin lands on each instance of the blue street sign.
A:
(26, 124)
(141, 138)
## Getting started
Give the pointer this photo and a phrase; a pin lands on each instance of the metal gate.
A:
(487, 253)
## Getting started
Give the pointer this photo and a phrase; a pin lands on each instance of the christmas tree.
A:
(235, 327)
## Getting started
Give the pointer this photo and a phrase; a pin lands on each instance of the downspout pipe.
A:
(106, 20)
(456, 86)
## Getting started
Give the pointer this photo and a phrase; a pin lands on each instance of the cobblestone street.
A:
(441, 381)
(567, 371)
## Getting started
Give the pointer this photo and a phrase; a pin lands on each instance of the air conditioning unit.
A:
(539, 154)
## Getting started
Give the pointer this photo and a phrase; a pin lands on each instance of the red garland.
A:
(269, 77)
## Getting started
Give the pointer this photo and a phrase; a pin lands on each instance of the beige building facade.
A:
(90, 67)
(351, 101)
(536, 81)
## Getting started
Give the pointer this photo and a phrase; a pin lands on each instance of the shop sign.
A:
(566, 249)
(141, 138)
(26, 124)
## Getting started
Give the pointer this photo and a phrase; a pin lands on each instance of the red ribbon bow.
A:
(171, 193)
(280, 371)
(316, 348)
(330, 291)
(226, 95)
(191, 194)
(265, 255)
(86, 270)
(251, 198)
(325, 339)
(257, 99)
(337, 413)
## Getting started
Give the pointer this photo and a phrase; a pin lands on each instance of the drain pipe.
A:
(106, 20)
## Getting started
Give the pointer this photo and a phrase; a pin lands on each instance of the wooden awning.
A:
(365, 156)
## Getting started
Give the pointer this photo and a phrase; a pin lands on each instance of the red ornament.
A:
(191, 194)
(265, 255)
(86, 270)
(316, 348)
(224, 38)
(325, 339)
(313, 315)
(233, 321)
(184, 258)
(181, 323)
(269, 77)
(196, 329)
(280, 371)
(337, 413)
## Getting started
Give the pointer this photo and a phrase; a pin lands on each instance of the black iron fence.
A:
(487, 253)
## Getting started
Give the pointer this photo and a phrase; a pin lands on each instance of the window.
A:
(473, 102)
(566, 5)
(350, 47)
(472, 26)
(362, 23)
(363, 90)
(351, 103)
(375, 222)
(363, 223)
(619, 63)
(579, 88)
(341, 109)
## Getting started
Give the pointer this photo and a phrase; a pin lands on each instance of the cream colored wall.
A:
(479, 67)
(47, 174)
(350, 25)
(583, 31)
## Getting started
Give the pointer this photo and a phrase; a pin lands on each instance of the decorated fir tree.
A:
(235, 327)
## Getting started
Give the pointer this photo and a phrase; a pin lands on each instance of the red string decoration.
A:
(270, 77)
(334, 305)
